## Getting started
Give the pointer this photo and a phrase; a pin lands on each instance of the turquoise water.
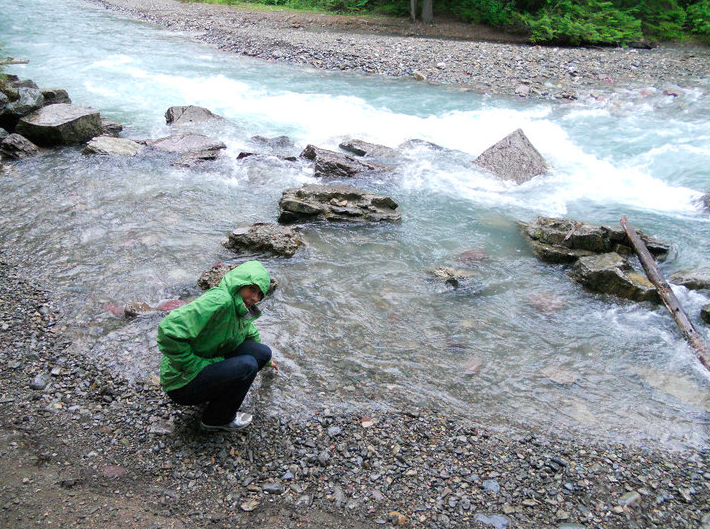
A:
(357, 321)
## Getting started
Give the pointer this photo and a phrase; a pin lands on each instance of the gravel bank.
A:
(369, 46)
(81, 446)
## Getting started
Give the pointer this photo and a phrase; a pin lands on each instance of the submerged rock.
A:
(106, 145)
(704, 201)
(274, 144)
(363, 148)
(336, 203)
(264, 237)
(188, 115)
(452, 276)
(610, 273)
(513, 158)
(16, 147)
(331, 164)
(136, 308)
(692, 279)
(60, 124)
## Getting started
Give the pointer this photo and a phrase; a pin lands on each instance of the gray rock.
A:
(556, 240)
(336, 203)
(610, 273)
(363, 148)
(704, 201)
(187, 143)
(136, 308)
(52, 96)
(630, 498)
(273, 488)
(453, 276)
(513, 158)
(110, 145)
(188, 115)
(3, 133)
(331, 164)
(38, 383)
(194, 159)
(60, 124)
(274, 144)
(16, 147)
(692, 279)
(110, 128)
(28, 100)
(491, 485)
(263, 237)
(705, 313)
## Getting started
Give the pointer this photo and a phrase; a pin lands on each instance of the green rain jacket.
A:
(200, 333)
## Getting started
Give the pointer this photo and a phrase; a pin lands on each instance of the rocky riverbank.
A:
(455, 54)
(82, 447)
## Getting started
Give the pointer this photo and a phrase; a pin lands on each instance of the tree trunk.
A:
(427, 12)
(413, 9)
(667, 296)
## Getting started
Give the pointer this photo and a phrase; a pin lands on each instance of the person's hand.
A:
(274, 366)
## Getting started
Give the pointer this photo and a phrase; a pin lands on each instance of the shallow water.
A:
(357, 321)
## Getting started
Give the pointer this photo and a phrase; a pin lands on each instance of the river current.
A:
(357, 322)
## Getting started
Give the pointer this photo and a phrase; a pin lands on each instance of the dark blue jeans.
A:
(223, 385)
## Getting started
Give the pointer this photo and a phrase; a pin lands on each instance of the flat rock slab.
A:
(368, 150)
(263, 237)
(15, 147)
(331, 164)
(188, 115)
(513, 158)
(109, 145)
(186, 143)
(61, 124)
(336, 203)
(610, 273)
(53, 96)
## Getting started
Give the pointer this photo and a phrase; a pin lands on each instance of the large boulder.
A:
(19, 102)
(336, 203)
(263, 237)
(610, 273)
(52, 96)
(368, 150)
(188, 115)
(15, 147)
(513, 158)
(692, 279)
(331, 164)
(60, 124)
(112, 145)
(187, 143)
(556, 240)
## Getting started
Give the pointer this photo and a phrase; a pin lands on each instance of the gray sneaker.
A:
(240, 421)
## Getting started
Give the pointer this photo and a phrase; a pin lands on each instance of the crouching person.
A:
(212, 350)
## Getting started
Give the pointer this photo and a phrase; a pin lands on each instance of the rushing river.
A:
(357, 322)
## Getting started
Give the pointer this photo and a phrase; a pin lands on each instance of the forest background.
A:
(557, 22)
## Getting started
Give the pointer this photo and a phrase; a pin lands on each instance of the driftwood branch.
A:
(667, 296)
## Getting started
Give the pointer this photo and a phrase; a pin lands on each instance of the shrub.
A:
(491, 12)
(582, 22)
(698, 18)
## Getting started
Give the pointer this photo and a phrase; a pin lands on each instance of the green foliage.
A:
(582, 22)
(492, 12)
(662, 19)
(698, 18)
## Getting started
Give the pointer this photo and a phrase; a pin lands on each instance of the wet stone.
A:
(629, 499)
(491, 485)
(497, 521)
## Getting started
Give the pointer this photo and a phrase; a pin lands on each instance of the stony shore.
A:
(447, 53)
(82, 447)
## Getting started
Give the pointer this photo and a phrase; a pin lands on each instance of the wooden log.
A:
(664, 291)
(10, 60)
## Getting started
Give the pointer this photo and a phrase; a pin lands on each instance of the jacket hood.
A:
(249, 273)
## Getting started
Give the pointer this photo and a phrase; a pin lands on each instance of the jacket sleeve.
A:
(180, 327)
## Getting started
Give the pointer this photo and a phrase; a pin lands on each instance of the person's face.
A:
(250, 294)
